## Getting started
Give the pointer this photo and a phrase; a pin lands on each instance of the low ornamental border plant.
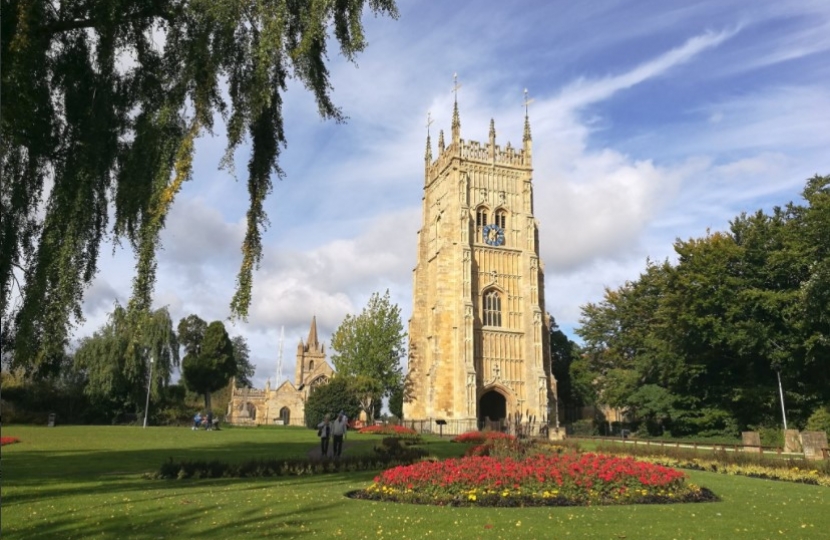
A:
(482, 437)
(401, 432)
(8, 440)
(734, 463)
(568, 479)
(390, 453)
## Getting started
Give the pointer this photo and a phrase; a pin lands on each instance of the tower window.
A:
(311, 365)
(481, 221)
(501, 219)
(492, 309)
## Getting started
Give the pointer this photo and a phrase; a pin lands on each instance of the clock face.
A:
(493, 235)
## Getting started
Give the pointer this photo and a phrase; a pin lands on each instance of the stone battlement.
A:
(483, 153)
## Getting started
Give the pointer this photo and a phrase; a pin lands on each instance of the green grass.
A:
(85, 482)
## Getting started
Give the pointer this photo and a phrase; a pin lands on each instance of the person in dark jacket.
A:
(324, 432)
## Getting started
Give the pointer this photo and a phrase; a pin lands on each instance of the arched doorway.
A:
(492, 407)
(285, 415)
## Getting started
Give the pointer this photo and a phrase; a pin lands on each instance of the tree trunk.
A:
(207, 402)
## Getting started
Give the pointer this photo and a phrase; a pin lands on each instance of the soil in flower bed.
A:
(700, 494)
(540, 480)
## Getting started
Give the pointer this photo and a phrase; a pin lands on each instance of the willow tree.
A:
(117, 359)
(102, 103)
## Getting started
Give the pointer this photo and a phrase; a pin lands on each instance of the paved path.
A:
(315, 455)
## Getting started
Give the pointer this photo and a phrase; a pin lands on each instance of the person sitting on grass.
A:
(209, 421)
(197, 421)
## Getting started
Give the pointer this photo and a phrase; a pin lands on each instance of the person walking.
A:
(324, 432)
(338, 431)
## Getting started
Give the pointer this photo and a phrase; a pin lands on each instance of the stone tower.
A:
(479, 330)
(311, 357)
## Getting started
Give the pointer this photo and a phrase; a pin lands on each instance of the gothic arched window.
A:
(492, 308)
(501, 219)
(481, 221)
(310, 365)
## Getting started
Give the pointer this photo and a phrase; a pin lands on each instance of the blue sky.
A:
(651, 121)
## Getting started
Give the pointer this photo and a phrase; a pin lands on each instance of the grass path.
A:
(85, 482)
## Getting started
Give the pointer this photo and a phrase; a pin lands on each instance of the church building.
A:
(285, 404)
(479, 332)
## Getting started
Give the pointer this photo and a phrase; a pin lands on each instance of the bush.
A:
(819, 420)
(585, 428)
(393, 449)
(283, 467)
(771, 436)
(330, 398)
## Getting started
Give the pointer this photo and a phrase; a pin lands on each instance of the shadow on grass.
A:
(189, 517)
(32, 467)
(33, 474)
(133, 484)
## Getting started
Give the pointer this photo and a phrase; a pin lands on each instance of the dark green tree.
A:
(191, 333)
(84, 135)
(369, 347)
(214, 365)
(698, 346)
(563, 353)
(396, 401)
(242, 357)
(330, 398)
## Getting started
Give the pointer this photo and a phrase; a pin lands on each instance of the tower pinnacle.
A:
(428, 155)
(456, 122)
(528, 141)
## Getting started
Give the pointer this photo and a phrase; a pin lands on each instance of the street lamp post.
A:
(781, 393)
(149, 385)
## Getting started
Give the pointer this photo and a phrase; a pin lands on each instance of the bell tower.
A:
(479, 330)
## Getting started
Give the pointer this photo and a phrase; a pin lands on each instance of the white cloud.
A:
(584, 92)
(646, 126)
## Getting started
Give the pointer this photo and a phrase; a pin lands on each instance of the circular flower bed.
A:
(568, 479)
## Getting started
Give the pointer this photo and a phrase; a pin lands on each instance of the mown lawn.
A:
(85, 482)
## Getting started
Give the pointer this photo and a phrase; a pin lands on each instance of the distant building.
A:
(284, 405)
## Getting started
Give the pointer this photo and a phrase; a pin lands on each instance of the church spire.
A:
(312, 334)
(440, 142)
(528, 141)
(456, 122)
